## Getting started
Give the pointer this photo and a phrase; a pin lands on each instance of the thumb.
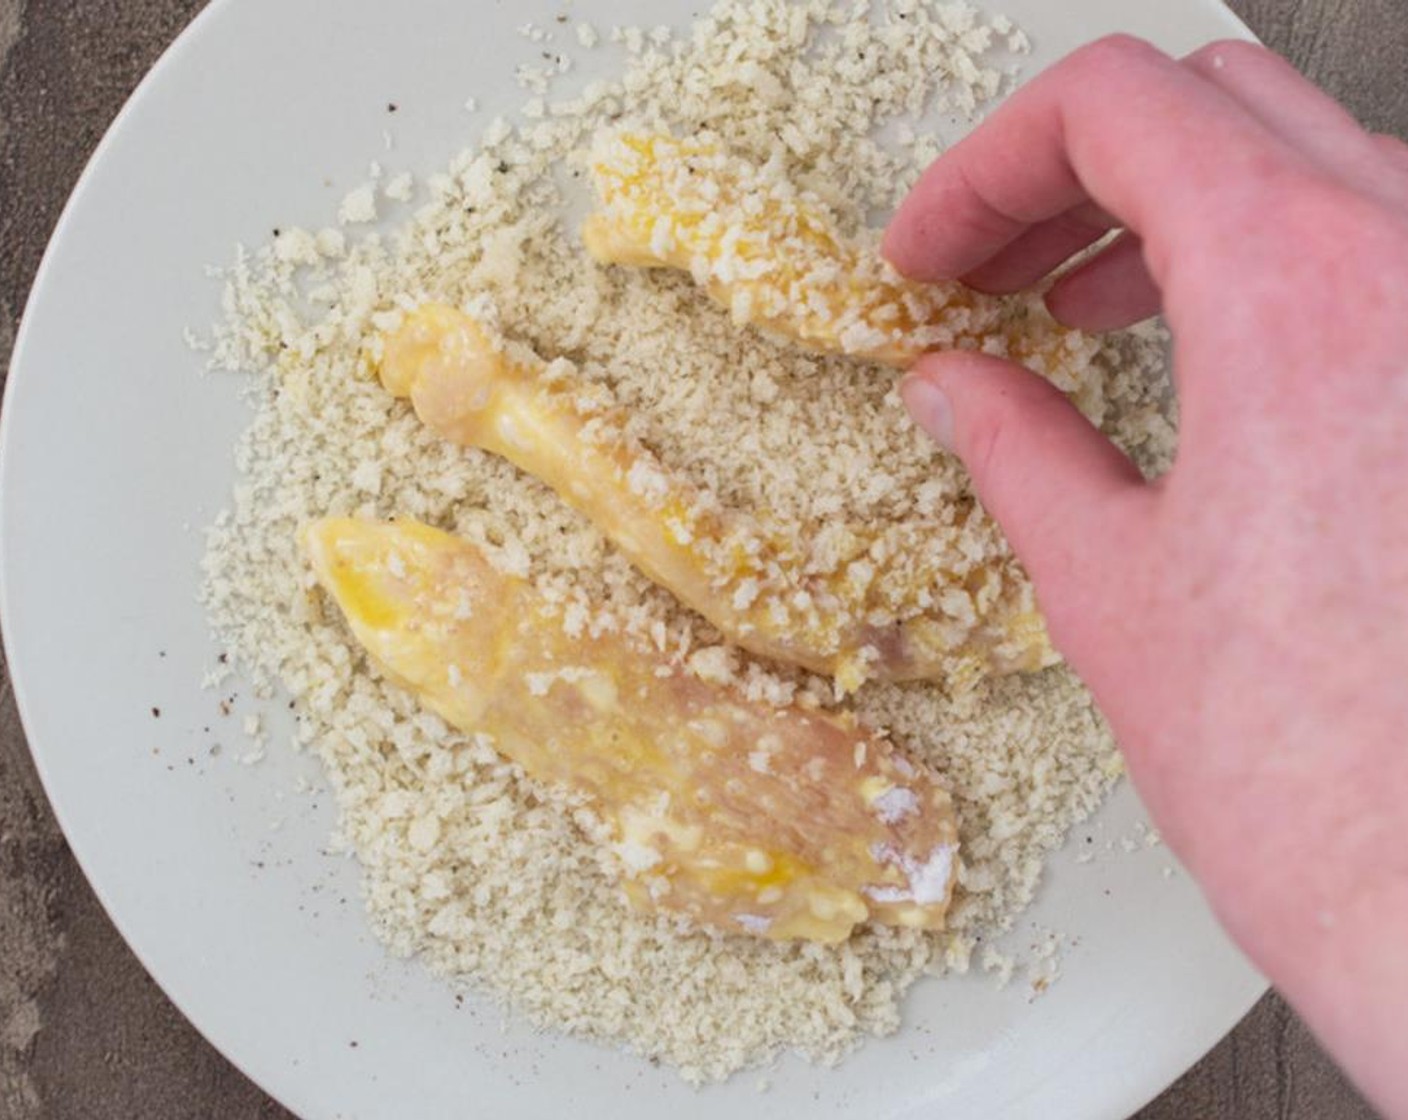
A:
(1063, 493)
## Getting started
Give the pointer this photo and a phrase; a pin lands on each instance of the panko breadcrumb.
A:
(484, 875)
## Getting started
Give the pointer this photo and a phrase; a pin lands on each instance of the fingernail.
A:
(929, 406)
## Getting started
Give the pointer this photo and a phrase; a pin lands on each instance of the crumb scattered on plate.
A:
(468, 864)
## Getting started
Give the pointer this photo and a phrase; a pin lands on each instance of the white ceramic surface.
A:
(116, 452)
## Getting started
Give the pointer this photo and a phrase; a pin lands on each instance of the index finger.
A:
(1118, 122)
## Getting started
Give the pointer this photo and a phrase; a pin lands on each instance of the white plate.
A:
(116, 454)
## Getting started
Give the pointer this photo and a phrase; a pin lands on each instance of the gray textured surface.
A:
(83, 1030)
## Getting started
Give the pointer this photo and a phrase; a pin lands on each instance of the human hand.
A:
(1243, 621)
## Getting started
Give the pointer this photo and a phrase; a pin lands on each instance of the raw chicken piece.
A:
(753, 819)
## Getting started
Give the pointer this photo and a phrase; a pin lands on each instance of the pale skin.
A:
(1243, 621)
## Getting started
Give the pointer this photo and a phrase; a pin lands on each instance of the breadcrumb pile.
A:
(485, 876)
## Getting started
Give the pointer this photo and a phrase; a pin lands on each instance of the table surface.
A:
(84, 1032)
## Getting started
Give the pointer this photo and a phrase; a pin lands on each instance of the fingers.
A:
(1108, 293)
(1293, 108)
(1061, 491)
(1272, 91)
(1039, 251)
(1118, 122)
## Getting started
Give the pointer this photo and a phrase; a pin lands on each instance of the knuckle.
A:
(1230, 51)
(1117, 52)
